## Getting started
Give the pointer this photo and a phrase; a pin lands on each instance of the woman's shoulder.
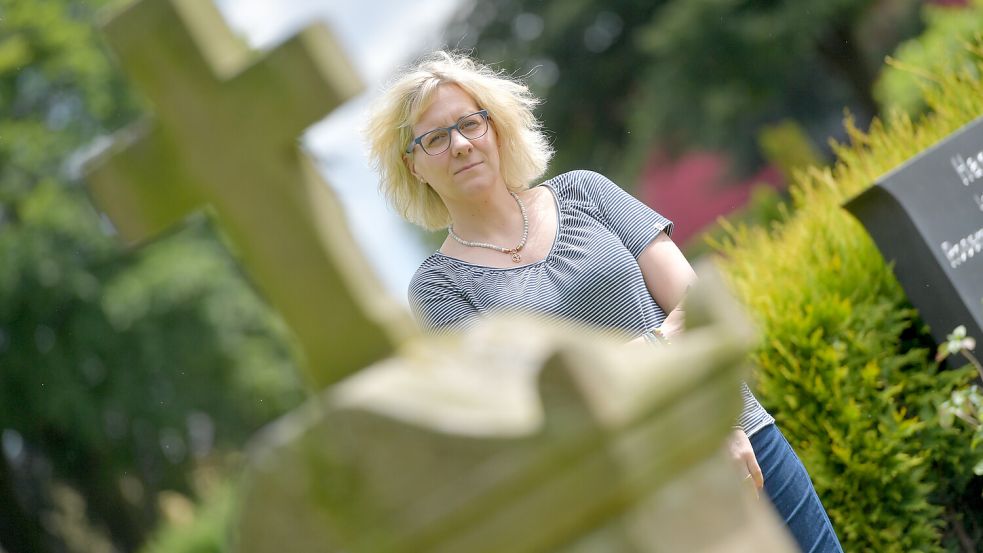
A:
(575, 177)
(436, 272)
(579, 184)
(431, 268)
(435, 293)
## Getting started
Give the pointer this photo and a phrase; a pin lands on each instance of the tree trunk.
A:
(94, 478)
(126, 523)
(19, 530)
(840, 51)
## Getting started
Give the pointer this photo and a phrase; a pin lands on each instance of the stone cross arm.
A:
(224, 135)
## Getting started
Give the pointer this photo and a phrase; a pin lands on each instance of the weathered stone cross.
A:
(564, 443)
(224, 136)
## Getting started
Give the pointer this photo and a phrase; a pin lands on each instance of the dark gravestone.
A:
(926, 216)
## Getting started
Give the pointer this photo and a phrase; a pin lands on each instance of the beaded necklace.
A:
(514, 251)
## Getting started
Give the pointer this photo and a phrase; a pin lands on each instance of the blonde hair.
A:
(523, 147)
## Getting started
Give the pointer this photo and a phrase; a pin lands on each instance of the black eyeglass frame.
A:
(456, 126)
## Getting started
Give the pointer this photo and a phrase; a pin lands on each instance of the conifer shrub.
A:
(845, 365)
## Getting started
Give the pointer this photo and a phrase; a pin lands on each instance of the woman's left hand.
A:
(741, 452)
(674, 324)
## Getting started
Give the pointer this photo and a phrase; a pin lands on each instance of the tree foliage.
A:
(117, 369)
(622, 77)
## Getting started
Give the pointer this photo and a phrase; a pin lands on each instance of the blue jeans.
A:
(788, 486)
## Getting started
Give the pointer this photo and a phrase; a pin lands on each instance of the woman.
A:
(457, 147)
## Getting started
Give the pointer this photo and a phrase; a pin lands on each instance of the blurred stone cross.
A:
(563, 441)
(224, 136)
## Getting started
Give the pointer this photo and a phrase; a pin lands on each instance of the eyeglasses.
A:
(437, 141)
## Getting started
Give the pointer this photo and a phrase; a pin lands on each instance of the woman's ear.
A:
(410, 164)
(498, 137)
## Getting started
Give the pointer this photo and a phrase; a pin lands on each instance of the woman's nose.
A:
(459, 143)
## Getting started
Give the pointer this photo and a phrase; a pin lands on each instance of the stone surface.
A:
(926, 217)
(224, 137)
(515, 437)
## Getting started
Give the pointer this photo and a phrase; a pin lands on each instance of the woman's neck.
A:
(494, 218)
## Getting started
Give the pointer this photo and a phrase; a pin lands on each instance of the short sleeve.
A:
(635, 223)
(437, 304)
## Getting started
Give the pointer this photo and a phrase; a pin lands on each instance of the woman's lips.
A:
(466, 167)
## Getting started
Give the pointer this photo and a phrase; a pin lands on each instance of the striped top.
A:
(590, 275)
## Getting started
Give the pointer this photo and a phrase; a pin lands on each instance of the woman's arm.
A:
(668, 275)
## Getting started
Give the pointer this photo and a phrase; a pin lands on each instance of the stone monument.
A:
(926, 217)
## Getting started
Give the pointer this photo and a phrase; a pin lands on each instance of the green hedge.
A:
(845, 365)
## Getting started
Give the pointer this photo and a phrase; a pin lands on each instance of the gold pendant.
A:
(516, 257)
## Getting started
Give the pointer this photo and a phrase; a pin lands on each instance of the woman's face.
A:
(467, 167)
